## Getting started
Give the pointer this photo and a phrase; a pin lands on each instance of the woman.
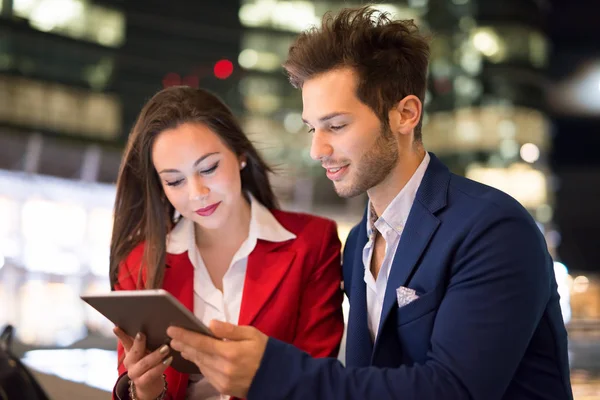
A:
(195, 214)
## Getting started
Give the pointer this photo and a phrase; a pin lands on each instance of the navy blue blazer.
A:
(487, 324)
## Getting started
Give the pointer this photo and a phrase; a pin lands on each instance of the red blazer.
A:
(291, 292)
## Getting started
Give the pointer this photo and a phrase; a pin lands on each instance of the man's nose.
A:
(320, 147)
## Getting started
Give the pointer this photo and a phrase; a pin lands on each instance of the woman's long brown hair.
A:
(142, 212)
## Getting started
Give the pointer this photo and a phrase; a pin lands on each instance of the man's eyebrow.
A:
(327, 117)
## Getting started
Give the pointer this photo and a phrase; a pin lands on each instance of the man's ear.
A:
(405, 115)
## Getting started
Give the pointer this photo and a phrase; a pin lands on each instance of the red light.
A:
(223, 69)
(171, 79)
(191, 81)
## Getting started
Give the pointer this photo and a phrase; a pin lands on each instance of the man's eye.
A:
(336, 127)
(311, 130)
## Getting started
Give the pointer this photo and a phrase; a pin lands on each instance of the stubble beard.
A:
(373, 167)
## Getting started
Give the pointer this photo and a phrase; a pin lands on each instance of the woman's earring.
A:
(243, 164)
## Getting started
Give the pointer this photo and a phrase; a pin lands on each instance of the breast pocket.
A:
(425, 304)
(414, 325)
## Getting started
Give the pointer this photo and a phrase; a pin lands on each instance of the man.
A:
(451, 287)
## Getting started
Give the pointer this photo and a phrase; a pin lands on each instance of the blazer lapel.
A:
(359, 345)
(179, 281)
(179, 278)
(420, 228)
(267, 265)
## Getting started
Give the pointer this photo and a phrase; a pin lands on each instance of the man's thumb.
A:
(225, 330)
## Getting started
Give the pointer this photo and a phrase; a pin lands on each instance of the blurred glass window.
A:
(59, 108)
(511, 44)
(79, 19)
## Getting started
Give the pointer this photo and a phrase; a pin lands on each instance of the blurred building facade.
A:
(75, 73)
(488, 116)
(189, 43)
(73, 76)
(60, 125)
(57, 71)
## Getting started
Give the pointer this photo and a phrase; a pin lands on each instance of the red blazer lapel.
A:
(179, 281)
(179, 278)
(267, 265)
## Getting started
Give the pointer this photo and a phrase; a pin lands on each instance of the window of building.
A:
(263, 52)
(511, 44)
(79, 19)
(297, 15)
(56, 107)
(294, 16)
(484, 128)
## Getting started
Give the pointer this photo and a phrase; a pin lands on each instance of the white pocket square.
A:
(405, 296)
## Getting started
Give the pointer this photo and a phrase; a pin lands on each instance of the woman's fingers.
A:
(136, 352)
(138, 349)
(126, 340)
(145, 369)
(150, 367)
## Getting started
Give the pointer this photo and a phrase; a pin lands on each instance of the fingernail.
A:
(138, 336)
(168, 361)
(164, 350)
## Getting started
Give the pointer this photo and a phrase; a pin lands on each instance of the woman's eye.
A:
(174, 183)
(210, 170)
(311, 130)
(336, 127)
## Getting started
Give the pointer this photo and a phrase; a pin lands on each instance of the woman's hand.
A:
(144, 369)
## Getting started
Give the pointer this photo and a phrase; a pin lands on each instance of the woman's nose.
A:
(198, 190)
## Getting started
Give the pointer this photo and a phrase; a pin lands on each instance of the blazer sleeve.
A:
(321, 321)
(125, 281)
(496, 294)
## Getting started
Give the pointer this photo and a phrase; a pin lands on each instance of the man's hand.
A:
(230, 364)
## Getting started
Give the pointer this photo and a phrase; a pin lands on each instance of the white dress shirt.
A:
(209, 302)
(390, 225)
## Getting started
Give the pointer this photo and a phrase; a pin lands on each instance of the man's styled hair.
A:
(390, 57)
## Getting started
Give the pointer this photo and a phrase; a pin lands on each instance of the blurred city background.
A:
(513, 101)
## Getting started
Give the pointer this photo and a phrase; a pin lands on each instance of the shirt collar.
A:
(396, 213)
(263, 225)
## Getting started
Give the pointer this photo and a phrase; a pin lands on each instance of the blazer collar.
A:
(432, 193)
(396, 214)
(420, 227)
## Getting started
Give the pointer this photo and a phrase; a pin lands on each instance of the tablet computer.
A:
(150, 312)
